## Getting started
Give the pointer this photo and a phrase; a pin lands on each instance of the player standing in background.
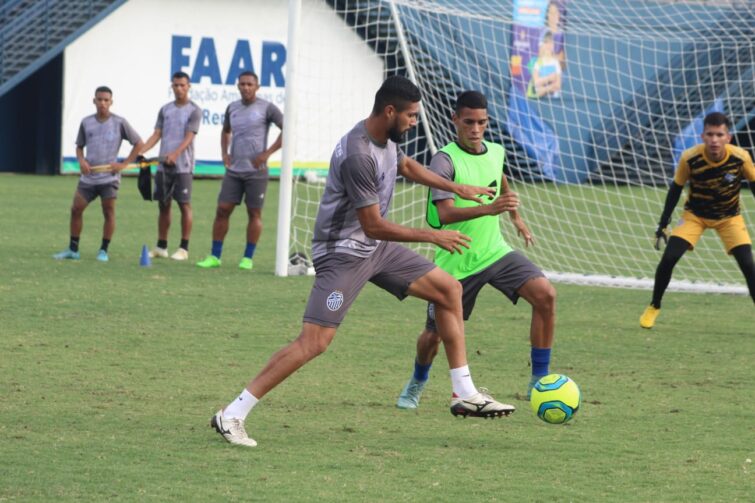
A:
(489, 260)
(177, 125)
(101, 134)
(245, 127)
(715, 170)
(354, 244)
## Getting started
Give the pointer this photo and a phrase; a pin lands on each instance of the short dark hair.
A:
(103, 89)
(248, 73)
(397, 91)
(717, 119)
(180, 75)
(471, 99)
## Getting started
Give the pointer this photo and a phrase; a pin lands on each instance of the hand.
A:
(226, 160)
(84, 167)
(660, 234)
(473, 193)
(522, 230)
(115, 167)
(170, 159)
(260, 160)
(451, 240)
(508, 201)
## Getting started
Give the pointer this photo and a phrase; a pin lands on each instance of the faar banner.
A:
(136, 49)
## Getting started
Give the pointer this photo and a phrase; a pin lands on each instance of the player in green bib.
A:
(490, 260)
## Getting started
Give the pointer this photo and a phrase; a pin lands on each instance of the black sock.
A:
(162, 243)
(74, 243)
(105, 244)
(185, 244)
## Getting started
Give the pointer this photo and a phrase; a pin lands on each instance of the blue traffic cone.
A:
(145, 260)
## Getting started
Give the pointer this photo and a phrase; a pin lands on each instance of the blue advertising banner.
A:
(537, 64)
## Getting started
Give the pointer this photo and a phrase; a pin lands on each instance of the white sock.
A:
(461, 380)
(241, 407)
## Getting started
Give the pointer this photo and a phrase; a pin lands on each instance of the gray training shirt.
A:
(250, 125)
(174, 122)
(103, 141)
(362, 173)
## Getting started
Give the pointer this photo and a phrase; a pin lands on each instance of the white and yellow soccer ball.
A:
(555, 398)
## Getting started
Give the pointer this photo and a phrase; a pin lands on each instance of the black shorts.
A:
(507, 275)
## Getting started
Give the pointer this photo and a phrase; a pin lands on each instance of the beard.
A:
(395, 135)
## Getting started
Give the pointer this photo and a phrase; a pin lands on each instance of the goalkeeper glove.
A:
(660, 234)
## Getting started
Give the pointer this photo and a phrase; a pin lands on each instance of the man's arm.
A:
(225, 142)
(414, 171)
(263, 157)
(151, 141)
(171, 158)
(674, 192)
(516, 219)
(376, 227)
(83, 163)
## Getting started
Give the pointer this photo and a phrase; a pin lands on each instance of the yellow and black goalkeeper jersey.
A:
(714, 187)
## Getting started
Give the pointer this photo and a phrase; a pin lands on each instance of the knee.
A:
(222, 213)
(313, 344)
(545, 298)
(448, 294)
(76, 211)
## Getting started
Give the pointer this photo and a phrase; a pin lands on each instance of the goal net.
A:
(594, 101)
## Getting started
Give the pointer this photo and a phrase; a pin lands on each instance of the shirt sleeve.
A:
(359, 180)
(682, 172)
(748, 168)
(160, 120)
(194, 119)
(442, 166)
(128, 133)
(81, 138)
(274, 115)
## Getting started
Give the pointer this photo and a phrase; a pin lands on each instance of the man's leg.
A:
(542, 297)
(444, 292)
(427, 348)
(78, 206)
(313, 340)
(108, 227)
(253, 232)
(674, 250)
(219, 231)
(743, 255)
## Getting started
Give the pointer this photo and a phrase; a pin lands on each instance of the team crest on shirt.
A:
(335, 300)
(729, 179)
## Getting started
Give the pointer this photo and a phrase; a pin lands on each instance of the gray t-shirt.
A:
(174, 122)
(362, 173)
(250, 125)
(103, 141)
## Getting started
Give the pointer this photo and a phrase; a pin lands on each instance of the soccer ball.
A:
(555, 398)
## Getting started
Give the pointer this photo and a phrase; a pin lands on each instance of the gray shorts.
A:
(104, 191)
(340, 277)
(507, 275)
(236, 186)
(169, 184)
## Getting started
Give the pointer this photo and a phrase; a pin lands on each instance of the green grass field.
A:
(110, 373)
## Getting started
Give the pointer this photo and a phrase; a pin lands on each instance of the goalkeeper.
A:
(490, 260)
(715, 170)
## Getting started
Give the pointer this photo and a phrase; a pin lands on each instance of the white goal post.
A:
(593, 100)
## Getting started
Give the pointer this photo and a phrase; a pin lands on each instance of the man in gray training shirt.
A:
(354, 244)
(177, 125)
(101, 134)
(247, 122)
